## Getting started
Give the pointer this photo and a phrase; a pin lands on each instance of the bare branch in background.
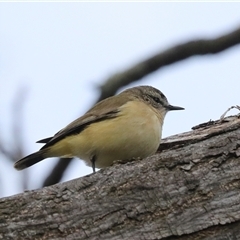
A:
(15, 150)
(17, 124)
(18, 127)
(6, 152)
(142, 69)
(167, 57)
(57, 172)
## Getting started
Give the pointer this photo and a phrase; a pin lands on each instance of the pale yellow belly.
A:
(132, 134)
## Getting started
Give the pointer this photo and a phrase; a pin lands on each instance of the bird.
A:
(121, 127)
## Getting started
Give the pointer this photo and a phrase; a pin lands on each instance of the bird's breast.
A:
(135, 132)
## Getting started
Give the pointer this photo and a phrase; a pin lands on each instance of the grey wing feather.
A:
(45, 140)
(76, 127)
(103, 110)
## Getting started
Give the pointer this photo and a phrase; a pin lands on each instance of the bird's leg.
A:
(93, 159)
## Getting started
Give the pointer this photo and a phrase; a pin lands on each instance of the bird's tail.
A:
(30, 159)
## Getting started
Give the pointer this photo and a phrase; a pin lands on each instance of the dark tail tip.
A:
(29, 160)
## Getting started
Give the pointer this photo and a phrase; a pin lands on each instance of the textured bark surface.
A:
(190, 190)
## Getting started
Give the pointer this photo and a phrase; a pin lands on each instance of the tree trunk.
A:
(190, 190)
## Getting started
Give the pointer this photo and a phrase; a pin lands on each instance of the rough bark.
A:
(189, 190)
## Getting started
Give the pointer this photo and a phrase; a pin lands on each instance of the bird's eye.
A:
(154, 98)
(157, 100)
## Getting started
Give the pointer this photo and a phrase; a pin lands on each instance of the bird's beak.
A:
(171, 107)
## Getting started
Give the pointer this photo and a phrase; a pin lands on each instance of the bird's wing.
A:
(108, 110)
(45, 140)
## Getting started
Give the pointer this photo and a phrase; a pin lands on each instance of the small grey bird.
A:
(121, 127)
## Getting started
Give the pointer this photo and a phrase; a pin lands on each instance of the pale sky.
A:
(61, 52)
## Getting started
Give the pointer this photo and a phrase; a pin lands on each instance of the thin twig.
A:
(224, 114)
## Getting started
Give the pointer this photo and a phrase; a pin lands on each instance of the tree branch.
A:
(15, 151)
(161, 59)
(167, 57)
(190, 191)
(57, 172)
